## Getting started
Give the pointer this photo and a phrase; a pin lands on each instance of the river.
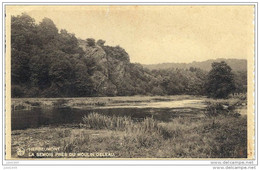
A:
(159, 110)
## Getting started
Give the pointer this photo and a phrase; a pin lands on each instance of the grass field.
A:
(218, 134)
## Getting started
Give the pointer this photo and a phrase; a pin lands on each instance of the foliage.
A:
(179, 81)
(101, 42)
(240, 78)
(91, 42)
(220, 80)
(44, 59)
(47, 62)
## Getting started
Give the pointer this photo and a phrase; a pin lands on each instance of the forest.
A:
(48, 62)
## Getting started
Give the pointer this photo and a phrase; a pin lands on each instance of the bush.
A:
(220, 108)
(214, 109)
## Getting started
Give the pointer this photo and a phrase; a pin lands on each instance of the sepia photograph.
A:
(129, 82)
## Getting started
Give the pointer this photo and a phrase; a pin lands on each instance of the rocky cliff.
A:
(114, 74)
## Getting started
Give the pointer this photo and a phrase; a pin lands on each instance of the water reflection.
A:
(22, 119)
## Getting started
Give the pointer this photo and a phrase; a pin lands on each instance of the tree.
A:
(101, 42)
(61, 74)
(91, 42)
(83, 85)
(68, 42)
(220, 81)
(39, 67)
(48, 32)
(23, 38)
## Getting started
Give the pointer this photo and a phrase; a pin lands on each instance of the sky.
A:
(158, 34)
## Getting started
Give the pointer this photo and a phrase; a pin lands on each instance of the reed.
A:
(98, 121)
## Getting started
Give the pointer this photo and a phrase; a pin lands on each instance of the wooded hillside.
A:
(47, 62)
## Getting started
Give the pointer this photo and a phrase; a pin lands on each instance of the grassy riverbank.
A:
(218, 137)
(220, 132)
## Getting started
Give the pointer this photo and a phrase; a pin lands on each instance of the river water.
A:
(161, 110)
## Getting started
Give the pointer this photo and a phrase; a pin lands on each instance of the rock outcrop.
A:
(114, 74)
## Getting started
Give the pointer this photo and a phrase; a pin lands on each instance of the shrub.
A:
(220, 108)
(214, 109)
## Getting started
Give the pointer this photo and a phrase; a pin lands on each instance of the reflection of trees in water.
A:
(57, 116)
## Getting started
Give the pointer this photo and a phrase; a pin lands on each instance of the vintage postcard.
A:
(166, 82)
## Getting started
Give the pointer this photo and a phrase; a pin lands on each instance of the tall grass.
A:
(98, 121)
(136, 134)
(71, 141)
(208, 137)
(126, 124)
(205, 137)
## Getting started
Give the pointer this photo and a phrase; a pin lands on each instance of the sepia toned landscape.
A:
(180, 126)
(75, 97)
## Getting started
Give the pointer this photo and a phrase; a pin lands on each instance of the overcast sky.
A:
(158, 34)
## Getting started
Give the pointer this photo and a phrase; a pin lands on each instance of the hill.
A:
(235, 64)
(47, 62)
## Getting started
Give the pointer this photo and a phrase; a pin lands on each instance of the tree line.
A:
(47, 62)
